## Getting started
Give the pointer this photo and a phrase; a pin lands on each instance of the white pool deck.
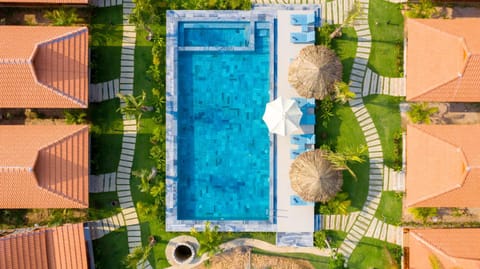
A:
(290, 218)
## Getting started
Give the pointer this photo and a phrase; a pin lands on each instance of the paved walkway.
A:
(105, 3)
(333, 12)
(377, 228)
(103, 91)
(255, 243)
(99, 228)
(102, 183)
(376, 84)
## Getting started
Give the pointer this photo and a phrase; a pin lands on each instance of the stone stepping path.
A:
(385, 232)
(376, 84)
(105, 3)
(103, 91)
(393, 180)
(99, 228)
(333, 12)
(339, 222)
(102, 183)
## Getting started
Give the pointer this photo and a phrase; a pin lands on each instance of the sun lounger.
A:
(302, 19)
(302, 139)
(297, 201)
(301, 37)
(295, 152)
(307, 119)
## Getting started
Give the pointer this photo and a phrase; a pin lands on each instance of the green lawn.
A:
(386, 27)
(100, 205)
(111, 249)
(344, 132)
(390, 208)
(318, 262)
(106, 43)
(385, 113)
(335, 238)
(346, 47)
(372, 253)
(106, 136)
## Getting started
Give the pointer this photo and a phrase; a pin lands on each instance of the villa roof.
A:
(85, 2)
(443, 60)
(453, 248)
(43, 67)
(50, 248)
(44, 166)
(443, 166)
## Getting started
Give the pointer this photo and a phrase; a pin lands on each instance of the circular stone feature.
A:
(183, 253)
(181, 250)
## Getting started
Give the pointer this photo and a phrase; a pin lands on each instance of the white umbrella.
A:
(282, 116)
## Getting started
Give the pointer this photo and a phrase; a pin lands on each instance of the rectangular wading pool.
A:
(220, 156)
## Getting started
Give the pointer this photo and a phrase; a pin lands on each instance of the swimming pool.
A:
(223, 146)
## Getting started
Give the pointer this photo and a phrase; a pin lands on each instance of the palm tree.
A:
(342, 92)
(62, 16)
(421, 112)
(144, 176)
(137, 257)
(314, 72)
(314, 178)
(75, 116)
(209, 240)
(340, 160)
(134, 106)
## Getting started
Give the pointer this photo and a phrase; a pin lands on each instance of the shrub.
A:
(397, 150)
(319, 238)
(421, 112)
(337, 261)
(423, 213)
(337, 206)
(75, 116)
(423, 9)
(323, 37)
(209, 240)
(62, 16)
(326, 110)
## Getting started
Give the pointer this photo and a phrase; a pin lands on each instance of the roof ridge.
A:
(70, 34)
(6, 167)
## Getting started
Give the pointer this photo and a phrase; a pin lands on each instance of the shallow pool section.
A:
(214, 34)
(220, 158)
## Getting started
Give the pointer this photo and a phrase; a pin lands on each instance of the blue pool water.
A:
(214, 34)
(222, 143)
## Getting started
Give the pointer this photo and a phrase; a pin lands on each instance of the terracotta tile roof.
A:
(443, 60)
(44, 166)
(85, 2)
(443, 166)
(454, 248)
(43, 67)
(51, 248)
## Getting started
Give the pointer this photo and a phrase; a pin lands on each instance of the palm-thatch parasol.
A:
(314, 178)
(314, 72)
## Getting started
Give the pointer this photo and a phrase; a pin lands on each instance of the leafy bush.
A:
(75, 116)
(323, 37)
(319, 238)
(138, 257)
(209, 240)
(326, 110)
(337, 206)
(337, 261)
(423, 9)
(423, 213)
(421, 112)
(62, 16)
(397, 150)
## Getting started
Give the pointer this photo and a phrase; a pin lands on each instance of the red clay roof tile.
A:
(44, 166)
(443, 166)
(43, 67)
(443, 60)
(453, 248)
(50, 248)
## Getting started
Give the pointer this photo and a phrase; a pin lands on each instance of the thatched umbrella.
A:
(314, 72)
(314, 178)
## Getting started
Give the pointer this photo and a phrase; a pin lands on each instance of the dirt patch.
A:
(240, 258)
(35, 16)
